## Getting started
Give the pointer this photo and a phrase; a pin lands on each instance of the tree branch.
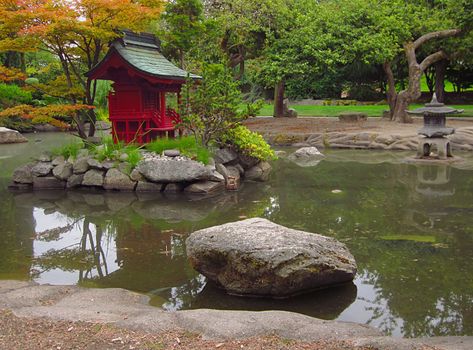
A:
(431, 59)
(435, 35)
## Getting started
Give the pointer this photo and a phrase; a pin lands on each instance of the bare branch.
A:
(435, 35)
(431, 59)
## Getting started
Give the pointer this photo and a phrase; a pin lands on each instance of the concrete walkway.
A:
(131, 310)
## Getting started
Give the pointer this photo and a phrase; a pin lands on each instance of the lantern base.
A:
(435, 148)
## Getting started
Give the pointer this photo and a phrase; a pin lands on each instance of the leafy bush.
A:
(214, 105)
(249, 143)
(188, 146)
(11, 94)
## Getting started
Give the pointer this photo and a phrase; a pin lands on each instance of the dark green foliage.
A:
(213, 106)
(11, 94)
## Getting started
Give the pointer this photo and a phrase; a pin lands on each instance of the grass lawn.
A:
(333, 111)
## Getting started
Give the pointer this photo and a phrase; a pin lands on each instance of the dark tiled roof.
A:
(142, 51)
(149, 60)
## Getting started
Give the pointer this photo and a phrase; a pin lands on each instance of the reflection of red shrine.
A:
(144, 81)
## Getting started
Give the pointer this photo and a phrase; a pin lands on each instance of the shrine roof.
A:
(142, 52)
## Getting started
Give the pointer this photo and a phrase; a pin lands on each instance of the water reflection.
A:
(410, 228)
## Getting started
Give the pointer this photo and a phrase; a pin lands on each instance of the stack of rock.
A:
(169, 172)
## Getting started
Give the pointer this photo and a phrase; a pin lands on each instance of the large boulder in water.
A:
(258, 257)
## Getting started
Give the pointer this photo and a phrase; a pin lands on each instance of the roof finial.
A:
(434, 99)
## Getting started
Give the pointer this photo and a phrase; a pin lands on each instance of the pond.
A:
(409, 227)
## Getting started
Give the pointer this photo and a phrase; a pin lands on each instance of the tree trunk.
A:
(279, 99)
(440, 70)
(391, 93)
(401, 106)
(416, 70)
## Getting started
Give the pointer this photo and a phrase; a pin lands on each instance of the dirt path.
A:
(41, 333)
(311, 125)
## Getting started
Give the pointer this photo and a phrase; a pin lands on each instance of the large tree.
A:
(77, 32)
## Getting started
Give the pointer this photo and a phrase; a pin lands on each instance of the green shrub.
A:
(11, 94)
(187, 145)
(249, 143)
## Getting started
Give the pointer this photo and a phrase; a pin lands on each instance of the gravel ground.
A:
(41, 333)
(307, 126)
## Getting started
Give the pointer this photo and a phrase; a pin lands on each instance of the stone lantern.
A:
(433, 134)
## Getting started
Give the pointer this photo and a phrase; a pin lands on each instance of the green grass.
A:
(334, 111)
(187, 145)
(69, 150)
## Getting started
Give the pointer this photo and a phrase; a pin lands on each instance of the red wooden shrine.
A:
(144, 81)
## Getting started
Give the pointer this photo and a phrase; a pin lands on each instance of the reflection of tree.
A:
(95, 250)
(17, 231)
(425, 285)
(86, 256)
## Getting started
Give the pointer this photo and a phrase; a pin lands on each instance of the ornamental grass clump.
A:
(187, 145)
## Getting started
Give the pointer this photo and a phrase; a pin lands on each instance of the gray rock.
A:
(172, 153)
(11, 136)
(19, 186)
(23, 174)
(280, 153)
(45, 157)
(205, 188)
(216, 176)
(108, 164)
(80, 165)
(103, 125)
(260, 172)
(83, 153)
(225, 155)
(123, 157)
(48, 183)
(94, 164)
(306, 156)
(145, 186)
(75, 180)
(94, 140)
(247, 162)
(124, 167)
(93, 177)
(171, 170)
(240, 169)
(221, 169)
(116, 180)
(174, 188)
(63, 171)
(58, 160)
(136, 176)
(258, 257)
(42, 169)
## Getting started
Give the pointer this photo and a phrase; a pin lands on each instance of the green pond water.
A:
(410, 228)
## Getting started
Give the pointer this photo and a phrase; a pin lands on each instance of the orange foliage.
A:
(11, 74)
(45, 115)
